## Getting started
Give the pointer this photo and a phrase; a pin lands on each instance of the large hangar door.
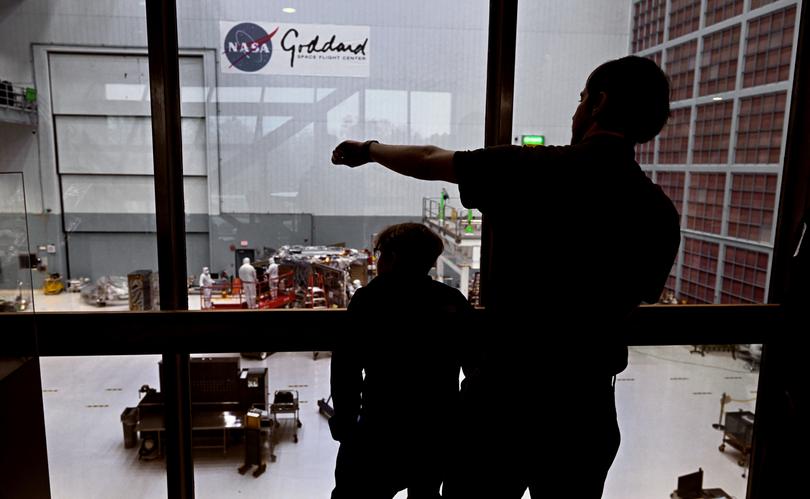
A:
(103, 138)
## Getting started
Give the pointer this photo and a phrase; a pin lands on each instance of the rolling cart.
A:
(738, 428)
(286, 402)
(737, 433)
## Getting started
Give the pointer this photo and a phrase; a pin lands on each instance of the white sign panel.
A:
(294, 49)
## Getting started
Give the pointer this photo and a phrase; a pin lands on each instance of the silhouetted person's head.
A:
(628, 95)
(407, 248)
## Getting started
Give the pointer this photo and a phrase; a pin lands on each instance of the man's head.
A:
(205, 270)
(245, 261)
(628, 96)
(408, 247)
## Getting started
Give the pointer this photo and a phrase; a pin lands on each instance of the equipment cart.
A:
(286, 402)
(737, 433)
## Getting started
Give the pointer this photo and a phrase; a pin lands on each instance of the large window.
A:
(406, 74)
(727, 135)
(726, 204)
(266, 94)
(16, 258)
(257, 181)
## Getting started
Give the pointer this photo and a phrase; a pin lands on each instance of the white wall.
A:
(559, 44)
(18, 153)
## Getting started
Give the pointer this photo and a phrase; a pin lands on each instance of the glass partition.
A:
(16, 258)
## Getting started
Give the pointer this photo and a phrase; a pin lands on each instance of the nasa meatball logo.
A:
(249, 47)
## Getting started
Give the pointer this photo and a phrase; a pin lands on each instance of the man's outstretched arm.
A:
(422, 162)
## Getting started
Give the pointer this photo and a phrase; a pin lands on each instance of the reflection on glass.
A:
(419, 77)
(431, 114)
(94, 193)
(387, 115)
(289, 94)
(16, 257)
(342, 120)
(122, 145)
(81, 133)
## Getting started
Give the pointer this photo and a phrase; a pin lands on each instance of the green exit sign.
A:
(533, 140)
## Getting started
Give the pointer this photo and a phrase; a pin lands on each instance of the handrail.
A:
(128, 333)
(455, 227)
(18, 98)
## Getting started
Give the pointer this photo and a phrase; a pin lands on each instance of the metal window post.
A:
(164, 81)
(782, 402)
(500, 94)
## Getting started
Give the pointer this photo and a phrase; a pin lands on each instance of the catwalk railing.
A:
(17, 98)
(450, 220)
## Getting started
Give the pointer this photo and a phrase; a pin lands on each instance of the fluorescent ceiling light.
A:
(288, 10)
(717, 98)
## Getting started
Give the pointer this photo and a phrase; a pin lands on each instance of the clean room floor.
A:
(667, 401)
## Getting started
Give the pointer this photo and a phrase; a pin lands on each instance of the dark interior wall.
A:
(356, 232)
(96, 254)
(23, 451)
(228, 230)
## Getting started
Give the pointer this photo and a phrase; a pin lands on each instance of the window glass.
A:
(87, 153)
(98, 415)
(725, 140)
(396, 73)
(16, 257)
(719, 159)
(697, 402)
(411, 72)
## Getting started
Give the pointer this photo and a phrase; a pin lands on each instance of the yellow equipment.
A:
(53, 285)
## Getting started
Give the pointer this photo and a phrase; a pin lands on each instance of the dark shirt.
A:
(410, 357)
(578, 233)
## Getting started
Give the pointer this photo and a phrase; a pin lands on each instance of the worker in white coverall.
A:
(247, 274)
(206, 285)
(272, 278)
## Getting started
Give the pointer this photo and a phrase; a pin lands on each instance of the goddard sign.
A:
(294, 49)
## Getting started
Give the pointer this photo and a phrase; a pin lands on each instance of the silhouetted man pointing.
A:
(580, 237)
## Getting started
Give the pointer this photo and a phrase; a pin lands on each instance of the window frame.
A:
(176, 332)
